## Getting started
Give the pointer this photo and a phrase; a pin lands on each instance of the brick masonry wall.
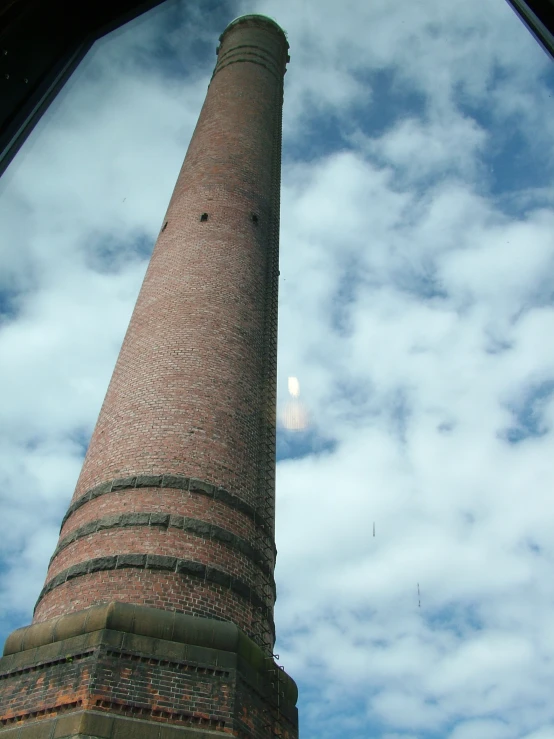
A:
(62, 683)
(153, 540)
(127, 675)
(170, 501)
(155, 588)
(185, 396)
(192, 392)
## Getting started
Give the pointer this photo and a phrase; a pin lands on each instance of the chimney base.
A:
(120, 671)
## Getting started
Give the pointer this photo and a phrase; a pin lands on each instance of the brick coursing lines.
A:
(160, 563)
(180, 664)
(175, 482)
(42, 665)
(118, 654)
(130, 708)
(250, 56)
(244, 59)
(165, 520)
(44, 713)
(259, 51)
(137, 709)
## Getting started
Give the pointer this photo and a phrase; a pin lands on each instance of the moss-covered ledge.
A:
(150, 622)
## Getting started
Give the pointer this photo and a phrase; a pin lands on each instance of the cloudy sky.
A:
(417, 312)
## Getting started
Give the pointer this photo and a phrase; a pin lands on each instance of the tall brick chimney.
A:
(156, 618)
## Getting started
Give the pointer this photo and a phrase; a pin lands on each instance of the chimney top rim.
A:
(265, 19)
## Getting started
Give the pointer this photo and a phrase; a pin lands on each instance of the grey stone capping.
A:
(107, 522)
(155, 623)
(120, 645)
(38, 659)
(77, 570)
(123, 483)
(189, 525)
(129, 560)
(159, 519)
(219, 577)
(176, 482)
(166, 564)
(138, 519)
(188, 567)
(159, 562)
(103, 563)
(149, 481)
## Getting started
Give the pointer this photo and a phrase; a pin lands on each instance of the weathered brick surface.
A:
(191, 526)
(150, 679)
(156, 540)
(162, 500)
(187, 429)
(65, 684)
(189, 394)
(185, 394)
(151, 588)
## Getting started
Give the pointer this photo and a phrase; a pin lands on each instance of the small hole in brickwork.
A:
(254, 218)
(164, 227)
(204, 217)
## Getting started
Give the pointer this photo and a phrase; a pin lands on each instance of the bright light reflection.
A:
(294, 416)
(294, 387)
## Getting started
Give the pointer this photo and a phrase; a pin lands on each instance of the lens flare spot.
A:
(294, 416)
(294, 387)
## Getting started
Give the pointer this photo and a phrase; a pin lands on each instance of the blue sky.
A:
(416, 310)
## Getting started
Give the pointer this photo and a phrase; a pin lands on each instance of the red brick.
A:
(192, 394)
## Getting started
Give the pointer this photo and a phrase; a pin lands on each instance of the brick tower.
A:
(156, 618)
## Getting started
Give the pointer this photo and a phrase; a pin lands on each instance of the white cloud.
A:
(481, 729)
(417, 150)
(546, 732)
